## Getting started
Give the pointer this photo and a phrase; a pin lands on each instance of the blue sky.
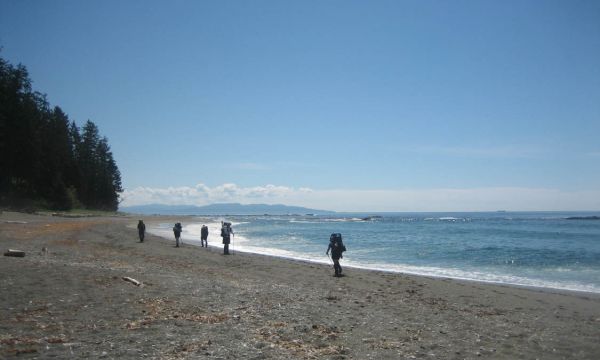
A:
(342, 105)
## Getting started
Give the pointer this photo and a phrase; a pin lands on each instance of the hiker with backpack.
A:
(204, 236)
(226, 233)
(141, 230)
(337, 248)
(177, 232)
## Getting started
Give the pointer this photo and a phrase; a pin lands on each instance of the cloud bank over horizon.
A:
(360, 200)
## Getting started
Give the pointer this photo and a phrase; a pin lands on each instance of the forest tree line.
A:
(46, 160)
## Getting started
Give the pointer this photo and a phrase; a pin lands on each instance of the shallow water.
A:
(532, 249)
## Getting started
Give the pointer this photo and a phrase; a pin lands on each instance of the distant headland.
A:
(222, 209)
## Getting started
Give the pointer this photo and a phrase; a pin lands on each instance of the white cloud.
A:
(203, 195)
(474, 199)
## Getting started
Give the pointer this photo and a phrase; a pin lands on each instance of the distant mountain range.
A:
(221, 209)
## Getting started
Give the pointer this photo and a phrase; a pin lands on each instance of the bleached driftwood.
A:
(131, 280)
(16, 253)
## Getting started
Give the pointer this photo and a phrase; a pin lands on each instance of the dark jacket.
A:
(336, 249)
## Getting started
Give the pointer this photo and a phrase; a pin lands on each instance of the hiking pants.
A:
(337, 267)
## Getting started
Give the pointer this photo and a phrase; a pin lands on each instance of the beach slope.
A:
(71, 296)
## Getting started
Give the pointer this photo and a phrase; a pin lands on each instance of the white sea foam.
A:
(481, 276)
(190, 233)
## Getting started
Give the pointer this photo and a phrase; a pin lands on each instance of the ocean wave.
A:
(329, 220)
(447, 218)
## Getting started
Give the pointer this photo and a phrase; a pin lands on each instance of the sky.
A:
(339, 105)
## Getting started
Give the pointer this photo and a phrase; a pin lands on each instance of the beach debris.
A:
(56, 340)
(319, 342)
(132, 280)
(17, 345)
(332, 297)
(164, 309)
(15, 253)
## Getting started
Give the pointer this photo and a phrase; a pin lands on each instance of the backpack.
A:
(226, 229)
(337, 238)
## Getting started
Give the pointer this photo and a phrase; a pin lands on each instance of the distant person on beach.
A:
(226, 233)
(336, 246)
(177, 232)
(141, 230)
(204, 236)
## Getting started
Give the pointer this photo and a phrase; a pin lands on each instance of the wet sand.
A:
(70, 301)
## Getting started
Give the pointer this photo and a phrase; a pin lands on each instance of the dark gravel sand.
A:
(67, 299)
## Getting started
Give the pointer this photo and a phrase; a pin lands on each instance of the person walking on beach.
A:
(226, 233)
(336, 246)
(141, 230)
(177, 232)
(204, 236)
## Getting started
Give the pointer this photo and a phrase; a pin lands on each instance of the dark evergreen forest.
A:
(46, 160)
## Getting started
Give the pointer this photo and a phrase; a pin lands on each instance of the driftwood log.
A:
(131, 280)
(16, 253)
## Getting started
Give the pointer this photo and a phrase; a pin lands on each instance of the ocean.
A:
(557, 250)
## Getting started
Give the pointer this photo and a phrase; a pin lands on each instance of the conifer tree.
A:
(45, 159)
(109, 177)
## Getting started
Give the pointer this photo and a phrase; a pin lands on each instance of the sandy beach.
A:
(67, 299)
